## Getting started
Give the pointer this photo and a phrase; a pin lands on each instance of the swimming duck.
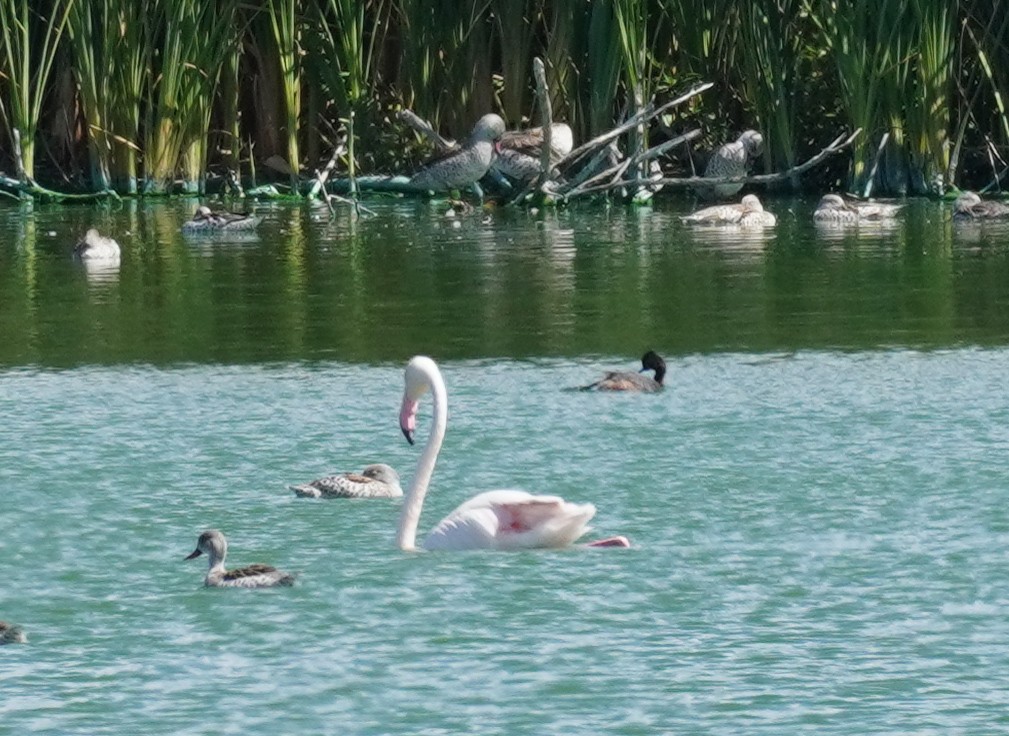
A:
(375, 481)
(96, 247)
(213, 544)
(12, 634)
(207, 220)
(731, 159)
(834, 209)
(969, 206)
(626, 381)
(464, 166)
(519, 151)
(748, 212)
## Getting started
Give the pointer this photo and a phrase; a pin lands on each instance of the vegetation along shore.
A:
(168, 96)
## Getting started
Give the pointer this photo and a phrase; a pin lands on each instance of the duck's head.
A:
(489, 128)
(211, 543)
(753, 142)
(751, 203)
(382, 473)
(651, 361)
(831, 202)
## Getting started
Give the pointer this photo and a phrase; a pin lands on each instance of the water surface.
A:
(816, 501)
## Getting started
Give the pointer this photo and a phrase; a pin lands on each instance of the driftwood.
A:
(837, 145)
(319, 185)
(615, 172)
(424, 128)
(646, 113)
(546, 121)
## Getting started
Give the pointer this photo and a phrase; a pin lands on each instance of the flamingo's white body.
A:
(505, 519)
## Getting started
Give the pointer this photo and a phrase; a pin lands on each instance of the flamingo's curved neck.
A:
(406, 535)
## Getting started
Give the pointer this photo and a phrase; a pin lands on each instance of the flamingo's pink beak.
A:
(408, 419)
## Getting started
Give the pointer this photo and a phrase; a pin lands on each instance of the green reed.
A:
(771, 51)
(30, 32)
(286, 27)
(192, 39)
(108, 47)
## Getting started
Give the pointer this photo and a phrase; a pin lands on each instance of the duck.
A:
(12, 634)
(464, 166)
(748, 212)
(833, 209)
(969, 206)
(627, 381)
(207, 220)
(731, 160)
(518, 151)
(213, 544)
(96, 247)
(374, 481)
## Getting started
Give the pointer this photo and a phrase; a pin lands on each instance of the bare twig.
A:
(646, 113)
(546, 121)
(322, 176)
(837, 145)
(867, 192)
(620, 168)
(424, 128)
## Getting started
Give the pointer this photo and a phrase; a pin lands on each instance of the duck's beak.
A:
(196, 553)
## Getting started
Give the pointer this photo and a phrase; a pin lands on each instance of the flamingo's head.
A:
(417, 381)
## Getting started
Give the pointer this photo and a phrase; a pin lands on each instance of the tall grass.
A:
(192, 39)
(771, 49)
(166, 88)
(29, 34)
(286, 32)
(107, 42)
(869, 42)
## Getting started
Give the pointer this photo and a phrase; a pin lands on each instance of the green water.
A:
(816, 502)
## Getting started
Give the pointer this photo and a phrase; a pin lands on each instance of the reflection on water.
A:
(581, 280)
(102, 272)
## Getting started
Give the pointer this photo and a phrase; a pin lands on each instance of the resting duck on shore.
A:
(748, 212)
(12, 634)
(627, 381)
(207, 220)
(969, 206)
(96, 247)
(464, 166)
(833, 209)
(518, 151)
(730, 160)
(375, 481)
(213, 544)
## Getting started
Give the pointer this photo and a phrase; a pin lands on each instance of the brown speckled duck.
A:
(519, 151)
(12, 634)
(834, 209)
(969, 206)
(207, 220)
(464, 166)
(213, 544)
(374, 481)
(627, 381)
(731, 160)
(748, 212)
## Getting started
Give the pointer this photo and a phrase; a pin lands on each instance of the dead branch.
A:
(424, 128)
(646, 113)
(837, 145)
(546, 121)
